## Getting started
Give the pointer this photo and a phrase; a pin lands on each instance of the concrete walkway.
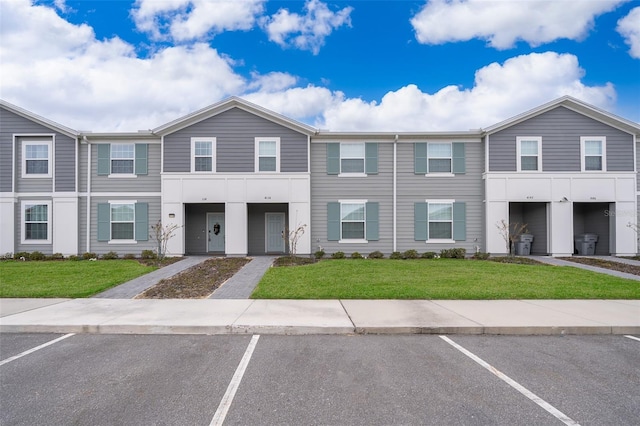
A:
(206, 316)
(136, 286)
(242, 284)
(559, 262)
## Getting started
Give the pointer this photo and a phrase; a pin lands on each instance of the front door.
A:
(274, 230)
(215, 232)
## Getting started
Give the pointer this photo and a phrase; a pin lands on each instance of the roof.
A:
(572, 104)
(38, 119)
(226, 105)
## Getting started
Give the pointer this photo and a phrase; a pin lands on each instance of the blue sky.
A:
(341, 65)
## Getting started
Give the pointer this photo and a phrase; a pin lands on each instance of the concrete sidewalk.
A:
(208, 316)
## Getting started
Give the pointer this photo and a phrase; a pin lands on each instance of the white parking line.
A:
(517, 386)
(227, 399)
(632, 337)
(44, 345)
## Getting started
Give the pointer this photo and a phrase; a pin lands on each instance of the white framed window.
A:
(203, 152)
(36, 159)
(593, 151)
(440, 220)
(123, 158)
(353, 220)
(36, 222)
(122, 221)
(439, 158)
(352, 158)
(267, 155)
(528, 154)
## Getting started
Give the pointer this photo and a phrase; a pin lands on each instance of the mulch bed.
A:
(607, 264)
(197, 282)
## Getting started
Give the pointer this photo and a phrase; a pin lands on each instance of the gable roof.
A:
(226, 105)
(574, 105)
(38, 119)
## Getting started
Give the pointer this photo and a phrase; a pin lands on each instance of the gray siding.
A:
(256, 229)
(82, 225)
(100, 247)
(560, 130)
(235, 132)
(330, 188)
(82, 167)
(141, 183)
(64, 156)
(467, 188)
(195, 228)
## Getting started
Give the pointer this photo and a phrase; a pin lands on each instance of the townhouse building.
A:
(236, 177)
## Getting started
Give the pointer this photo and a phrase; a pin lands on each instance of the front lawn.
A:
(66, 278)
(439, 279)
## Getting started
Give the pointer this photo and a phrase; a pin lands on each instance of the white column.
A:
(561, 228)
(236, 236)
(299, 214)
(65, 225)
(625, 236)
(7, 225)
(173, 214)
(497, 211)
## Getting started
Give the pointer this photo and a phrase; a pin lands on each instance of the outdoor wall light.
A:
(172, 215)
(564, 200)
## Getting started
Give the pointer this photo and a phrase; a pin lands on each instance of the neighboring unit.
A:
(237, 178)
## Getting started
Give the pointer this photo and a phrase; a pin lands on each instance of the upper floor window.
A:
(528, 155)
(439, 158)
(267, 155)
(122, 159)
(593, 151)
(203, 154)
(36, 159)
(352, 158)
(36, 222)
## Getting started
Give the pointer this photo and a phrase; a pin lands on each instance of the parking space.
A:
(405, 379)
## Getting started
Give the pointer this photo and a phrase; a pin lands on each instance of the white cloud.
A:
(629, 28)
(503, 23)
(305, 32)
(500, 91)
(184, 20)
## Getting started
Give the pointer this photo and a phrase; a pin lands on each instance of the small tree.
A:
(162, 234)
(510, 233)
(291, 239)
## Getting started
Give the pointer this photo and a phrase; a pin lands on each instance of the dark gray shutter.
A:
(104, 222)
(142, 222)
(372, 217)
(333, 221)
(371, 158)
(333, 158)
(458, 158)
(141, 158)
(420, 158)
(420, 223)
(459, 221)
(104, 158)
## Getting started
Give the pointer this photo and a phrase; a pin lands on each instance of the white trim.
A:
(257, 154)
(450, 158)
(519, 140)
(364, 160)
(213, 156)
(125, 203)
(123, 175)
(120, 194)
(123, 241)
(439, 175)
(354, 240)
(25, 203)
(88, 195)
(440, 240)
(23, 160)
(603, 141)
(352, 175)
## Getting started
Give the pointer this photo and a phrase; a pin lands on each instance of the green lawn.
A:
(439, 279)
(66, 278)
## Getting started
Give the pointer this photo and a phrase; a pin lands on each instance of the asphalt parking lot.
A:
(92, 379)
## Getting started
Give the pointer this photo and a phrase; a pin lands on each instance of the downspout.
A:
(84, 138)
(395, 192)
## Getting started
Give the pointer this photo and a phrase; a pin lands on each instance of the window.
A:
(529, 154)
(122, 221)
(202, 155)
(352, 157)
(36, 220)
(352, 221)
(440, 221)
(122, 158)
(439, 158)
(267, 155)
(36, 159)
(593, 153)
